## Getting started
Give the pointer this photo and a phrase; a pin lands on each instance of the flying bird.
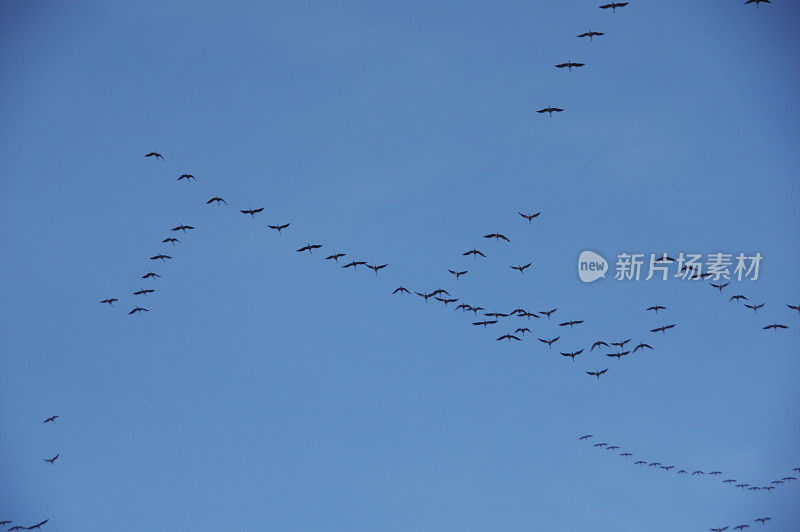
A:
(573, 354)
(549, 342)
(614, 5)
(776, 326)
(37, 525)
(149, 275)
(509, 337)
(570, 65)
(335, 256)
(497, 237)
(522, 330)
(484, 322)
(474, 252)
(522, 268)
(426, 296)
(621, 344)
(719, 286)
(51, 419)
(309, 247)
(698, 472)
(440, 291)
(597, 373)
(187, 177)
(548, 313)
(217, 200)
(445, 300)
(354, 264)
(794, 307)
(586, 436)
(737, 297)
(252, 212)
(763, 520)
(144, 292)
(51, 460)
(458, 273)
(663, 328)
(642, 346)
(618, 355)
(720, 529)
(755, 307)
(570, 323)
(402, 290)
(626, 454)
(530, 217)
(591, 34)
(183, 228)
(741, 527)
(110, 301)
(656, 308)
(550, 110)
(279, 228)
(155, 154)
(376, 268)
(160, 256)
(598, 344)
(138, 309)
(757, 2)
(170, 240)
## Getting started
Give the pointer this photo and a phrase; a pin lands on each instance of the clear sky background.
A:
(272, 390)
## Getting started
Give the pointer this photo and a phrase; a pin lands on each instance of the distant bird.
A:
(663, 329)
(138, 309)
(458, 274)
(755, 307)
(763, 520)
(741, 527)
(309, 247)
(155, 154)
(654, 464)
(640, 462)
(614, 5)
(51, 460)
(495, 314)
(187, 177)
(474, 252)
(402, 290)
(446, 301)
(354, 264)
(757, 2)
(51, 419)
(530, 217)
(591, 34)
(642, 346)
(183, 227)
(160, 256)
(698, 472)
(618, 355)
(110, 301)
(550, 110)
(586, 436)
(788, 479)
(794, 307)
(170, 240)
(598, 344)
(599, 445)
(37, 525)
(426, 296)
(279, 228)
(715, 473)
(737, 297)
(621, 344)
(571, 323)
(484, 322)
(335, 256)
(509, 337)
(597, 373)
(464, 307)
(656, 308)
(549, 342)
(440, 291)
(149, 275)
(682, 472)
(376, 268)
(626, 454)
(217, 200)
(529, 315)
(729, 481)
(548, 313)
(143, 292)
(665, 258)
(522, 331)
(522, 268)
(570, 65)
(573, 354)
(720, 529)
(17, 527)
(612, 447)
(497, 237)
(252, 212)
(776, 326)
(719, 286)
(667, 468)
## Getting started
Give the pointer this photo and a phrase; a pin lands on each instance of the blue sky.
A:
(268, 389)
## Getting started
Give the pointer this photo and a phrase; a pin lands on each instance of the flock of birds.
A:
(617, 349)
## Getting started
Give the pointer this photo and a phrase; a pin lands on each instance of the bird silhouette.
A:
(626, 454)
(530, 217)
(484, 322)
(614, 5)
(548, 313)
(598, 344)
(715, 473)
(138, 309)
(183, 228)
(571, 323)
(642, 346)
(309, 247)
(618, 355)
(698, 472)
(591, 34)
(51, 460)
(155, 154)
(354, 264)
(621, 343)
(446, 301)
(38, 525)
(170, 240)
(522, 331)
(402, 290)
(663, 329)
(682, 472)
(17, 527)
(586, 436)
(570, 65)
(474, 253)
(252, 212)
(640, 462)
(497, 237)
(794, 307)
(656, 308)
(737, 297)
(51, 419)
(279, 228)
(440, 291)
(335, 256)
(741, 527)
(763, 520)
(549, 342)
(217, 200)
(110, 301)
(776, 326)
(376, 268)
(757, 2)
(161, 256)
(550, 110)
(458, 274)
(597, 373)
(522, 268)
(148, 275)
(720, 529)
(755, 307)
(426, 296)
(719, 286)
(509, 337)
(729, 481)
(187, 177)
(573, 354)
(144, 292)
